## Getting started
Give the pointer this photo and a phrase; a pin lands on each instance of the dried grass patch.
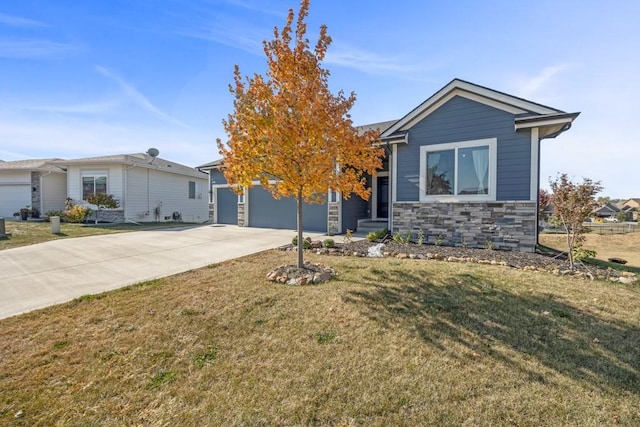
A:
(388, 342)
(625, 246)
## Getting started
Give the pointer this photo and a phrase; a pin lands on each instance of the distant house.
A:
(608, 211)
(148, 188)
(632, 208)
(34, 183)
(462, 168)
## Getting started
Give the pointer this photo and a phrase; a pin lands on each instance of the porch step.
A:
(367, 226)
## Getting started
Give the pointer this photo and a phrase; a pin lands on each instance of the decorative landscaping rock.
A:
(618, 260)
(627, 280)
(311, 273)
(544, 263)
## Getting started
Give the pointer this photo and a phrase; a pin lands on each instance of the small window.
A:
(458, 171)
(333, 196)
(93, 183)
(241, 197)
(192, 189)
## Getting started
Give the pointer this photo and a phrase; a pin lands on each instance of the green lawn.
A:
(22, 233)
(389, 342)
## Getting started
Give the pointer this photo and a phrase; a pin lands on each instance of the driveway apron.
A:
(54, 272)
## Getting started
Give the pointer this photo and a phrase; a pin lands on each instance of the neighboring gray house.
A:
(34, 183)
(608, 210)
(462, 168)
(148, 188)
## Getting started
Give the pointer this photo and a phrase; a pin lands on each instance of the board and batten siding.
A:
(462, 119)
(148, 190)
(54, 192)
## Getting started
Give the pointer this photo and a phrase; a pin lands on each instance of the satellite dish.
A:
(153, 152)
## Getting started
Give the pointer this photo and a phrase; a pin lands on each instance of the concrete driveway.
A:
(37, 276)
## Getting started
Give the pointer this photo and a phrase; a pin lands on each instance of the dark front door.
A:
(383, 197)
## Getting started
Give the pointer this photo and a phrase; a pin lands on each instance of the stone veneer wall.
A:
(501, 225)
(333, 226)
(211, 211)
(241, 216)
(36, 195)
(108, 215)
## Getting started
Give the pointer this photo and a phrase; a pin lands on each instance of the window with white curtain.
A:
(463, 170)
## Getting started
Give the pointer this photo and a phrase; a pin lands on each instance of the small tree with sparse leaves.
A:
(572, 205)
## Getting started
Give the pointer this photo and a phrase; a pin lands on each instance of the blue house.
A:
(462, 168)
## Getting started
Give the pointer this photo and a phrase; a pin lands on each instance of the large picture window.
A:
(458, 171)
(93, 183)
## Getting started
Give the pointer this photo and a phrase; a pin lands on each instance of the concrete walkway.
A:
(45, 274)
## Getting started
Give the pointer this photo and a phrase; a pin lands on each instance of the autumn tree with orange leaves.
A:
(290, 132)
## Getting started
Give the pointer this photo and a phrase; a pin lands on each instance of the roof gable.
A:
(531, 113)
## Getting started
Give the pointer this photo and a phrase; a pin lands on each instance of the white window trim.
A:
(493, 160)
(94, 173)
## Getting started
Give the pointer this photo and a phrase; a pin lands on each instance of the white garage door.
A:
(13, 197)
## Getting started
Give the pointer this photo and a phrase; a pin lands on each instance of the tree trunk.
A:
(300, 239)
(570, 242)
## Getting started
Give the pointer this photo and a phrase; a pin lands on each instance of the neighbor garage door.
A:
(13, 197)
(227, 206)
(267, 212)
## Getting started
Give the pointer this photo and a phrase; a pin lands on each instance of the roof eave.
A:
(550, 125)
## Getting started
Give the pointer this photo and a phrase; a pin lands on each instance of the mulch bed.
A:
(555, 264)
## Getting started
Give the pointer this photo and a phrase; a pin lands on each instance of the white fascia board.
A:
(543, 123)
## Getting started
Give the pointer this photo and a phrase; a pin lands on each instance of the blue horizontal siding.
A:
(461, 119)
(217, 177)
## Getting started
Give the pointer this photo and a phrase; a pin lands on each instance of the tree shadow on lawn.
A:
(480, 315)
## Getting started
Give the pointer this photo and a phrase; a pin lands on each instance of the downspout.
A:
(124, 192)
(537, 199)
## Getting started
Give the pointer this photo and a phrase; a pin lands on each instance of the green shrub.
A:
(580, 253)
(49, 214)
(329, 243)
(404, 239)
(374, 236)
(306, 244)
(77, 214)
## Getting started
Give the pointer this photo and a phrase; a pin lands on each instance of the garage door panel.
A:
(227, 206)
(267, 212)
(13, 197)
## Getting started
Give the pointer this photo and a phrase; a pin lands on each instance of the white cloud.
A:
(373, 63)
(34, 49)
(231, 32)
(534, 86)
(255, 8)
(17, 21)
(138, 98)
(97, 107)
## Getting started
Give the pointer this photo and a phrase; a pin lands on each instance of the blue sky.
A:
(90, 78)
